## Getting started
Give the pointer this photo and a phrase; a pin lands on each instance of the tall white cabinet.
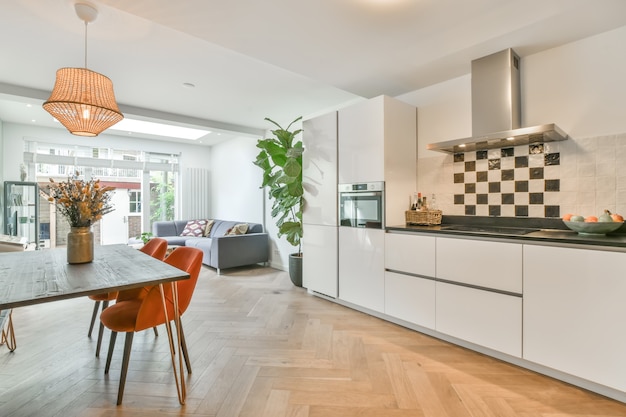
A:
(319, 180)
(377, 142)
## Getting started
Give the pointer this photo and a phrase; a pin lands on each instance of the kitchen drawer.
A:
(410, 298)
(481, 317)
(495, 265)
(410, 253)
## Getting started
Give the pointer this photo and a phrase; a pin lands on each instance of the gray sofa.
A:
(220, 251)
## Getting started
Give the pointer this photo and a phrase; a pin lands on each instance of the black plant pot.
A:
(295, 269)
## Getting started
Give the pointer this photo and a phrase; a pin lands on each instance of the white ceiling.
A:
(251, 59)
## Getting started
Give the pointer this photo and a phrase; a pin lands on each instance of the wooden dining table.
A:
(42, 276)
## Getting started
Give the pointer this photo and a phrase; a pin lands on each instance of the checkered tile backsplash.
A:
(521, 181)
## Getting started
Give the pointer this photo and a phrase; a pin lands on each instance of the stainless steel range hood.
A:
(496, 109)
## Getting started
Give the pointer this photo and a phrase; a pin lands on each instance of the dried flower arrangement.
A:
(81, 202)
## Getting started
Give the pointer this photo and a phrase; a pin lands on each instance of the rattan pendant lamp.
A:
(82, 100)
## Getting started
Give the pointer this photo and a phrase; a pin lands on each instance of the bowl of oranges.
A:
(605, 223)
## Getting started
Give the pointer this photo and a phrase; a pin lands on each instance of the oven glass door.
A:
(361, 209)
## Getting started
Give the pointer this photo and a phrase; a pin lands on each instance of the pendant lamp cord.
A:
(86, 24)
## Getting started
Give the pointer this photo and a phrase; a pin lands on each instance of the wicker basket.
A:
(423, 218)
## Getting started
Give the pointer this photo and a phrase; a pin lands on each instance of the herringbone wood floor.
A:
(263, 348)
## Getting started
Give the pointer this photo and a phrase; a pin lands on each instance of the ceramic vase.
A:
(80, 245)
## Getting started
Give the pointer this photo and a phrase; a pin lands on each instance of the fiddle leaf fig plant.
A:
(281, 161)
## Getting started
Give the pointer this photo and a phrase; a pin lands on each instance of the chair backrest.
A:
(151, 312)
(156, 247)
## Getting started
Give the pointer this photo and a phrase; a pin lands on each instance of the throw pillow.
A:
(238, 229)
(194, 228)
(209, 226)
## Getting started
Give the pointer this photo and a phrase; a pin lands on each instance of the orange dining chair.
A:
(156, 247)
(138, 314)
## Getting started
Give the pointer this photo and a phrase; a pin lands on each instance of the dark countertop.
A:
(552, 232)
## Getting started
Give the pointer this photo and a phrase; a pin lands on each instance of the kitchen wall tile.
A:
(536, 160)
(620, 184)
(508, 187)
(521, 198)
(507, 163)
(586, 168)
(493, 154)
(536, 210)
(494, 199)
(482, 165)
(552, 171)
(494, 175)
(551, 147)
(587, 145)
(553, 199)
(508, 211)
(580, 175)
(482, 187)
(536, 186)
(605, 166)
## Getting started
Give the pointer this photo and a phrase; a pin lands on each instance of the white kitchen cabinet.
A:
(378, 142)
(319, 170)
(410, 253)
(410, 298)
(361, 267)
(480, 302)
(574, 309)
(486, 318)
(319, 216)
(319, 263)
(494, 265)
(361, 142)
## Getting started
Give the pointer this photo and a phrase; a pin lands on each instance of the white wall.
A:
(580, 86)
(235, 181)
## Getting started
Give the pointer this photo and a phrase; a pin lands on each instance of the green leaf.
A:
(281, 161)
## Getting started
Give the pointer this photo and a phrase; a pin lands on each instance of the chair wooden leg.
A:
(8, 334)
(127, 348)
(93, 317)
(110, 354)
(105, 304)
(183, 344)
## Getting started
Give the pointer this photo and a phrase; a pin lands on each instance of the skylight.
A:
(159, 129)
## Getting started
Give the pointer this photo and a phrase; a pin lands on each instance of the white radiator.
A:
(196, 191)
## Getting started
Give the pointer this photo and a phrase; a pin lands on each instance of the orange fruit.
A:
(591, 219)
(567, 217)
(617, 217)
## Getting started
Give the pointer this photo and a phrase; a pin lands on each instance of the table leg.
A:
(180, 379)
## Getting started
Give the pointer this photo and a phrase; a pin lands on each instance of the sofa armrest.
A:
(239, 250)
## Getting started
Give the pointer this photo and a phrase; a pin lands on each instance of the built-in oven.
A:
(362, 205)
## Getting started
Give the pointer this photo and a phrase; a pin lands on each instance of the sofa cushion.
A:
(209, 226)
(238, 229)
(195, 228)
